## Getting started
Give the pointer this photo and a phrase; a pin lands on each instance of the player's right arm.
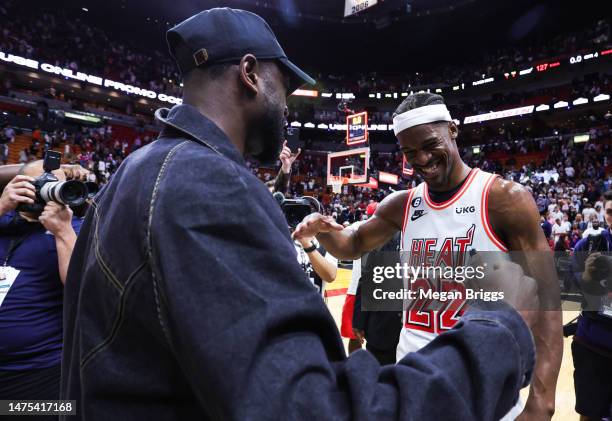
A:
(350, 243)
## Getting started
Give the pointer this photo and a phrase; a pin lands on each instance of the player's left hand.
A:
(287, 157)
(74, 172)
(56, 218)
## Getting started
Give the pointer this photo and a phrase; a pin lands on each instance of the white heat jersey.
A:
(440, 234)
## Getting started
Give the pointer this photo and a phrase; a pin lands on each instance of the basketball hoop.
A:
(337, 182)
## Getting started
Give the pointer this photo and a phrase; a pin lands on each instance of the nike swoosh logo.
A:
(417, 214)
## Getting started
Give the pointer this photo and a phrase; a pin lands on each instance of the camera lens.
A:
(71, 193)
(92, 189)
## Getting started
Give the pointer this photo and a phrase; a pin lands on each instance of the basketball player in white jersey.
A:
(460, 208)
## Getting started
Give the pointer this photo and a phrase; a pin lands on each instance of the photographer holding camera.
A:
(37, 237)
(319, 266)
(592, 345)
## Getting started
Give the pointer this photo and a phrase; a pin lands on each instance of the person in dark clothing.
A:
(592, 344)
(546, 225)
(381, 329)
(35, 249)
(184, 298)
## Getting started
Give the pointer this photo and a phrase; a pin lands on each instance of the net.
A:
(337, 182)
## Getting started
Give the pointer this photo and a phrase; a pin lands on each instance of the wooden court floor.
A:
(565, 400)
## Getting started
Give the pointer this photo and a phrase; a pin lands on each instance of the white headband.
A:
(421, 115)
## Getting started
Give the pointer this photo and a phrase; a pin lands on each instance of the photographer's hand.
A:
(74, 172)
(19, 190)
(58, 220)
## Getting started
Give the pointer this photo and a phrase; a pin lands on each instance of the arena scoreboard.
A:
(357, 129)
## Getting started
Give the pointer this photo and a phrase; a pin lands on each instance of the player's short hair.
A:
(418, 100)
(607, 196)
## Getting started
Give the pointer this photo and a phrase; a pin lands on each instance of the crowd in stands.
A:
(94, 148)
(567, 179)
(66, 40)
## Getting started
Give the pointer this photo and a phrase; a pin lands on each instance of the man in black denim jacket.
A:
(185, 301)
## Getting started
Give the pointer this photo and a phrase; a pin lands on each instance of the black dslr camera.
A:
(48, 188)
(296, 210)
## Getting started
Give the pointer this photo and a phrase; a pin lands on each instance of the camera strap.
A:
(16, 242)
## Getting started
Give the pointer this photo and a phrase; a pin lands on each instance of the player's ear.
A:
(453, 130)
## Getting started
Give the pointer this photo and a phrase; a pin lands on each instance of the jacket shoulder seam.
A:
(148, 244)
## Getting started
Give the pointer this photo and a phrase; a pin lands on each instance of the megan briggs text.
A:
(429, 294)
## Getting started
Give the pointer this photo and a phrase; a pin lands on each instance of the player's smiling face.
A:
(431, 150)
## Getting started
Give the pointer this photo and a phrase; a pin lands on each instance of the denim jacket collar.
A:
(188, 120)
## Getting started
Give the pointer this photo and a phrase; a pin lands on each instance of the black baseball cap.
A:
(224, 35)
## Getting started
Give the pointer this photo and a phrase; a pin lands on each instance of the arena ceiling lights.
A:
(580, 101)
(560, 104)
(601, 97)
